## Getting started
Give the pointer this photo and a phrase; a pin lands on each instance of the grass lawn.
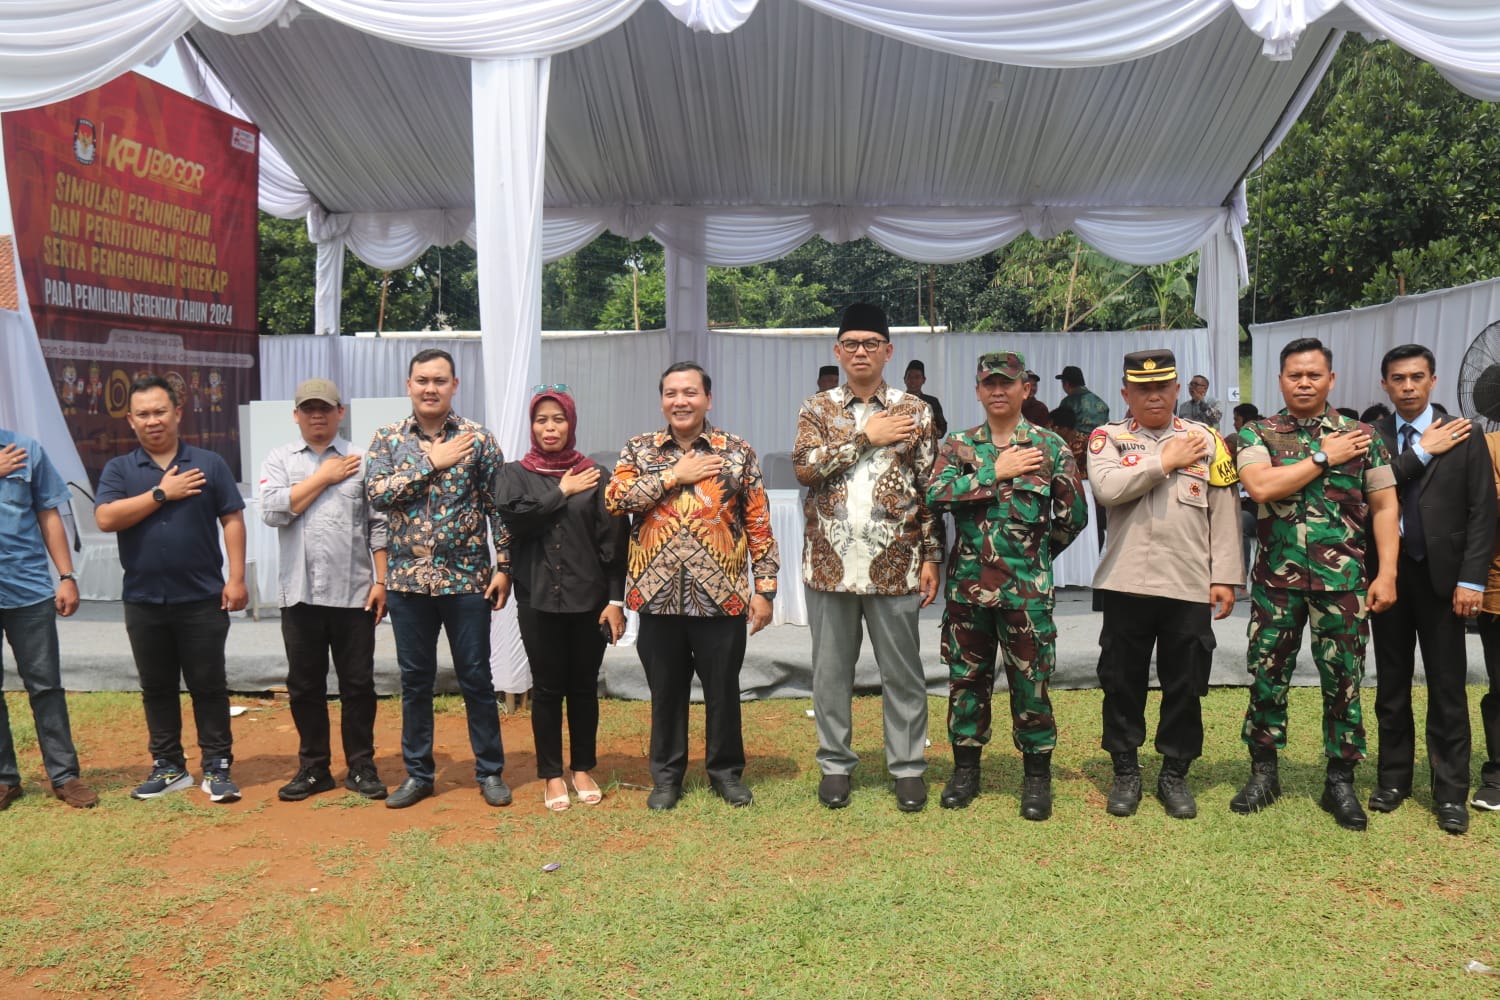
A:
(342, 897)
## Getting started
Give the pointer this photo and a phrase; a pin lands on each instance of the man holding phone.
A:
(431, 475)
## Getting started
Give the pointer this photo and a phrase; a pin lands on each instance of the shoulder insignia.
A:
(1096, 442)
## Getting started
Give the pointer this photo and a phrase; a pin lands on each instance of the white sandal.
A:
(588, 796)
(559, 803)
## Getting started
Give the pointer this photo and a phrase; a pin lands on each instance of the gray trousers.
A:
(838, 622)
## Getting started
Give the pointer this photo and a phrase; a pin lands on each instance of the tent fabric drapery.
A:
(56, 48)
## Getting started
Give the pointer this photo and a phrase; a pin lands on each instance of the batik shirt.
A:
(869, 528)
(436, 519)
(1316, 538)
(1008, 531)
(689, 544)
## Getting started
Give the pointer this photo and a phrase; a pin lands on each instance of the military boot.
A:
(1339, 798)
(963, 787)
(1125, 793)
(1172, 788)
(1036, 786)
(1264, 786)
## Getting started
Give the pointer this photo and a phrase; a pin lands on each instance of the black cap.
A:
(863, 316)
(1072, 373)
(916, 366)
(1158, 365)
(828, 370)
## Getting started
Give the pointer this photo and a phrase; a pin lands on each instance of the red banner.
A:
(136, 226)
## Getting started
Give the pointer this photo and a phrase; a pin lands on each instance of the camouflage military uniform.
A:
(1000, 578)
(1088, 409)
(1310, 570)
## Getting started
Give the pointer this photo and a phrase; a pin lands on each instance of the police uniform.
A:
(1171, 536)
(999, 588)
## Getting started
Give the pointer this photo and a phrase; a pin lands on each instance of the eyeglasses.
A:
(554, 387)
(868, 346)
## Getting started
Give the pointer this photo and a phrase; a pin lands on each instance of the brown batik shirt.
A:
(869, 528)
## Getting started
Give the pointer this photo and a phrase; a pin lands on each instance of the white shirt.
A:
(325, 550)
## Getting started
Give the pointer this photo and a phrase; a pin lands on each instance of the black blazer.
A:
(1458, 506)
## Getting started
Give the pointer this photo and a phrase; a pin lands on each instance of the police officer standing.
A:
(1016, 501)
(1172, 560)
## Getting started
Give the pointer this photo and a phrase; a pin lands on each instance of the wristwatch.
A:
(1320, 459)
(158, 494)
(66, 576)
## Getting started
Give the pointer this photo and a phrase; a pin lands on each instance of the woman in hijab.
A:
(568, 571)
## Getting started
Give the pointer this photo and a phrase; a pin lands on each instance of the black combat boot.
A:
(1264, 786)
(1339, 798)
(1172, 788)
(1125, 793)
(1036, 786)
(963, 787)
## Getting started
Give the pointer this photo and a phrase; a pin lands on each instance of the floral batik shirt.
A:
(436, 519)
(869, 528)
(689, 545)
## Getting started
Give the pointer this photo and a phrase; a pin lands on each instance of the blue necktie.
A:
(1413, 541)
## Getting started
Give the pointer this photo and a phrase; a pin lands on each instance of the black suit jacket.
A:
(1458, 506)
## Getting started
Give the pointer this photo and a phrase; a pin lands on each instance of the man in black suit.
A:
(1447, 492)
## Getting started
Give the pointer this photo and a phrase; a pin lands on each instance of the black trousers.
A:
(672, 648)
(1422, 618)
(565, 651)
(1182, 634)
(311, 632)
(1489, 705)
(175, 644)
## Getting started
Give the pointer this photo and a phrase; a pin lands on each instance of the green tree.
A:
(1389, 183)
(440, 290)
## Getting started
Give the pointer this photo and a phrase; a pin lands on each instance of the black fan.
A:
(1479, 379)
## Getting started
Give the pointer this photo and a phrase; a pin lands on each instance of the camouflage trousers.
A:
(1027, 644)
(1340, 631)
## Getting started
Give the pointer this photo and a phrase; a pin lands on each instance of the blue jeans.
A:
(32, 632)
(416, 619)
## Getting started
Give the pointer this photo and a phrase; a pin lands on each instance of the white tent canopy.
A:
(731, 130)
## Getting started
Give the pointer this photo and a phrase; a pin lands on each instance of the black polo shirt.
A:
(173, 555)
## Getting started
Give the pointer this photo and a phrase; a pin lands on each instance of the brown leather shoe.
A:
(9, 794)
(76, 794)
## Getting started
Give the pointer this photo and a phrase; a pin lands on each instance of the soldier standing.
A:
(1172, 561)
(1324, 484)
(1016, 501)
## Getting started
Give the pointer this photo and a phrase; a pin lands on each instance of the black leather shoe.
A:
(732, 790)
(664, 797)
(962, 788)
(833, 790)
(911, 794)
(409, 793)
(1387, 800)
(495, 791)
(1263, 788)
(1340, 801)
(309, 781)
(1452, 817)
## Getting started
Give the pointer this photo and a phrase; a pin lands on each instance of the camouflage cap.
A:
(317, 388)
(1007, 364)
(1156, 365)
